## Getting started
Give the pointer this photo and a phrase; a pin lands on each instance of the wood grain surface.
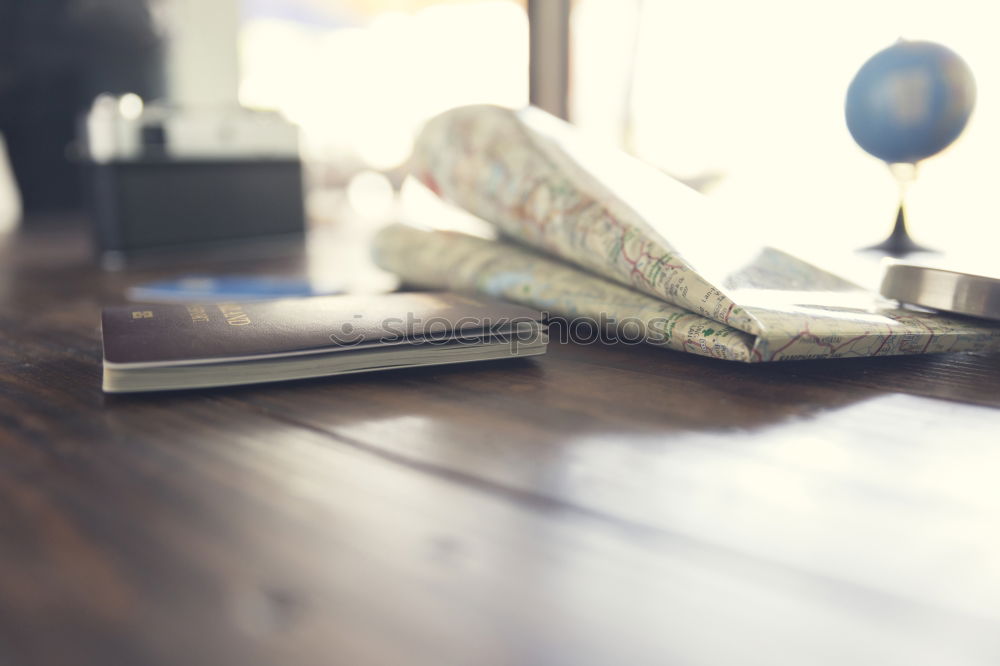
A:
(600, 505)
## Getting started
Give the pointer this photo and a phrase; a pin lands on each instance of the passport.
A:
(169, 346)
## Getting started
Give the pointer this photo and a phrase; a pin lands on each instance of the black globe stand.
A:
(899, 243)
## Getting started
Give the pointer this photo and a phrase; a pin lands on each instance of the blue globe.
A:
(910, 101)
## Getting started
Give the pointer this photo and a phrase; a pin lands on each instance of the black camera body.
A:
(161, 178)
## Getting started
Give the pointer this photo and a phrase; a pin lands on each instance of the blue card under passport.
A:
(198, 288)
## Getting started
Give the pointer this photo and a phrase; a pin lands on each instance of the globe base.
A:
(899, 243)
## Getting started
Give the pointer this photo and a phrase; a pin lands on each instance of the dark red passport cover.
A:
(164, 333)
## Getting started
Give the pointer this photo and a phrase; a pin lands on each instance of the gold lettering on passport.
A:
(198, 313)
(234, 314)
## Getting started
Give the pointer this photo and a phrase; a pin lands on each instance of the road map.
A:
(590, 232)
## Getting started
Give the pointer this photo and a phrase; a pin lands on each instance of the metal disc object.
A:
(940, 289)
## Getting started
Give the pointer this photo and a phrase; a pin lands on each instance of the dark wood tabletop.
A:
(599, 505)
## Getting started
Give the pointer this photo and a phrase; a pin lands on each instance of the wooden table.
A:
(601, 505)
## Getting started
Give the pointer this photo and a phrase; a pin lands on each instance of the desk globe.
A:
(907, 103)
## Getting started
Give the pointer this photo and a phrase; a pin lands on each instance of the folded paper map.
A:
(591, 232)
